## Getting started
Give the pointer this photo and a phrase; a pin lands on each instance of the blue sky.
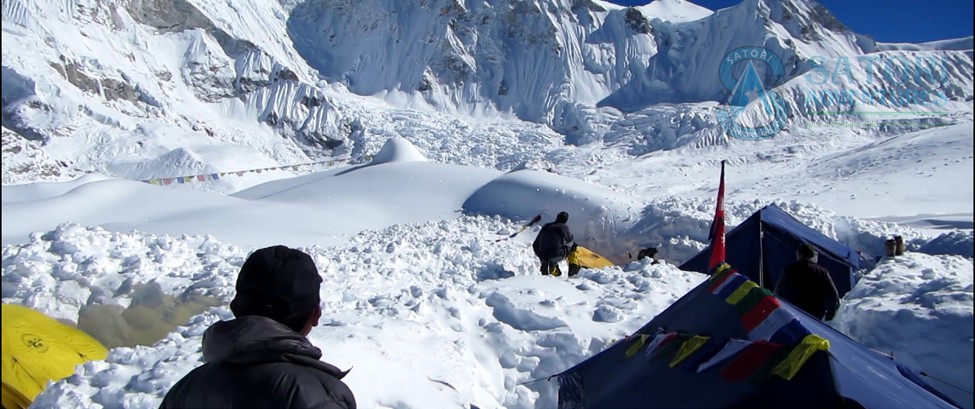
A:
(886, 20)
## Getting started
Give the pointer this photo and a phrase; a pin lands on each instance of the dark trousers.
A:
(550, 266)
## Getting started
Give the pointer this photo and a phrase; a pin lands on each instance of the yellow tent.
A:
(38, 348)
(588, 258)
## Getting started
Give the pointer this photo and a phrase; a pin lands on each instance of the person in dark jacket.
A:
(553, 244)
(261, 358)
(808, 285)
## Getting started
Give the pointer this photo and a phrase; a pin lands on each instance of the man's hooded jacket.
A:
(256, 362)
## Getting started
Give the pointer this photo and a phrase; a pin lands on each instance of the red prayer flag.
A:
(717, 229)
(749, 360)
(759, 312)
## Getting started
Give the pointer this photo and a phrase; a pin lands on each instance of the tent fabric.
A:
(12, 398)
(847, 375)
(588, 258)
(766, 242)
(37, 349)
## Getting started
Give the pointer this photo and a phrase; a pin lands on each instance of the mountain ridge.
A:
(291, 75)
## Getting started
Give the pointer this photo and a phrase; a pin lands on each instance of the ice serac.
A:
(297, 81)
(526, 57)
(141, 78)
(690, 54)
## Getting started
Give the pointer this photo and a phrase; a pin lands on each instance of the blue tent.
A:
(640, 371)
(764, 244)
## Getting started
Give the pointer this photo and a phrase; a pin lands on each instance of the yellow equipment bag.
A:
(37, 349)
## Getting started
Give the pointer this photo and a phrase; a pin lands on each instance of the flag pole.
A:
(717, 229)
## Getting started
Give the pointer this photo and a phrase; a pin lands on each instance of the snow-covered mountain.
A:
(135, 88)
(429, 129)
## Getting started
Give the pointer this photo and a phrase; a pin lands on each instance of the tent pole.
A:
(761, 255)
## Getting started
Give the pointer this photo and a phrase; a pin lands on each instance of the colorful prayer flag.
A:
(731, 348)
(719, 276)
(670, 346)
(771, 324)
(688, 348)
(741, 292)
(658, 340)
(791, 365)
(754, 316)
(730, 285)
(751, 299)
(726, 278)
(790, 333)
(640, 341)
(764, 371)
(750, 360)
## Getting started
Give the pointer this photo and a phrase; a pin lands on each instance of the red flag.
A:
(717, 229)
(750, 360)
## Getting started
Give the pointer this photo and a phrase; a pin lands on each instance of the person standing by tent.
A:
(808, 285)
(553, 244)
(262, 358)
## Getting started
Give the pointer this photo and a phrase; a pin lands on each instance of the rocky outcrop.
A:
(109, 88)
(25, 160)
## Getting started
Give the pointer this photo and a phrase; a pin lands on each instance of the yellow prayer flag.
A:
(791, 365)
(688, 348)
(721, 268)
(741, 292)
(632, 350)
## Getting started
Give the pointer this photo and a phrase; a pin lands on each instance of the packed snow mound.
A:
(120, 205)
(43, 190)
(373, 196)
(930, 296)
(597, 215)
(677, 11)
(397, 149)
(958, 242)
(480, 305)
(369, 197)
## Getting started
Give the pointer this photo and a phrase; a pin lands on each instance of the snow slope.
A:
(430, 312)
(452, 123)
(677, 11)
(396, 189)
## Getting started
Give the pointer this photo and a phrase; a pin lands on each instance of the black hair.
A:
(806, 251)
(562, 217)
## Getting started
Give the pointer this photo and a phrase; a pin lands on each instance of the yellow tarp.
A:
(587, 258)
(37, 349)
